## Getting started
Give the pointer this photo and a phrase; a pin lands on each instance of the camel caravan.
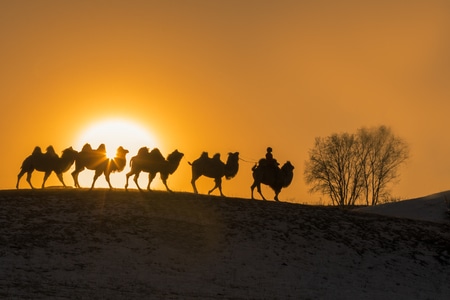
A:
(266, 171)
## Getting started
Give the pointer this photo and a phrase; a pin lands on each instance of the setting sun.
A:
(113, 133)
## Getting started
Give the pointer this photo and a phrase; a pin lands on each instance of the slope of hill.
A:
(132, 245)
(432, 208)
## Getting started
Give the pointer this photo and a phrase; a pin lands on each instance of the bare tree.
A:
(346, 167)
(384, 153)
(333, 168)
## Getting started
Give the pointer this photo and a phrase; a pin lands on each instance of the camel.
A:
(153, 163)
(214, 168)
(47, 162)
(272, 176)
(97, 160)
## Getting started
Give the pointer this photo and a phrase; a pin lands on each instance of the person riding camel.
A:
(270, 161)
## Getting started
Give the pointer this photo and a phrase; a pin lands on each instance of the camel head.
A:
(288, 167)
(69, 152)
(233, 157)
(174, 159)
(287, 174)
(232, 165)
(121, 152)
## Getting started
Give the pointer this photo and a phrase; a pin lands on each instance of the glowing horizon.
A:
(113, 132)
(226, 76)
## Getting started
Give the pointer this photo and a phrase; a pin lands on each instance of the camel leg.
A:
(252, 188)
(96, 176)
(29, 178)
(194, 178)
(220, 187)
(276, 194)
(128, 176)
(258, 188)
(151, 176)
(164, 180)
(19, 176)
(46, 175)
(259, 191)
(107, 174)
(93, 181)
(135, 179)
(75, 177)
(60, 177)
(218, 184)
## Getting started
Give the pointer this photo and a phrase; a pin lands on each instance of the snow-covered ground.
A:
(130, 245)
(432, 208)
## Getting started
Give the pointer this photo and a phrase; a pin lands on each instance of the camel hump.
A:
(36, 150)
(203, 159)
(101, 148)
(50, 149)
(86, 148)
(156, 154)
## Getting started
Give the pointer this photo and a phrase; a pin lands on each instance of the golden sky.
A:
(223, 76)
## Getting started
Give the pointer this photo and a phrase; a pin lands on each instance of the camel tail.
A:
(254, 167)
(189, 163)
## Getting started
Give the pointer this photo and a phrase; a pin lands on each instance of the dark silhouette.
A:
(47, 162)
(214, 168)
(354, 167)
(276, 178)
(153, 162)
(269, 154)
(270, 161)
(97, 160)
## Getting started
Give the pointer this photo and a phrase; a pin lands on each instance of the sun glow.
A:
(113, 133)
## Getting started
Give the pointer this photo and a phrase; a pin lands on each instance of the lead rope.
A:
(252, 161)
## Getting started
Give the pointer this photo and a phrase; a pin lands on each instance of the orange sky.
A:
(223, 76)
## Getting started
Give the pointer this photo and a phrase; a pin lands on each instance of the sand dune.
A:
(130, 245)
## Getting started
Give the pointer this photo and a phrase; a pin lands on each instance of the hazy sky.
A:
(223, 76)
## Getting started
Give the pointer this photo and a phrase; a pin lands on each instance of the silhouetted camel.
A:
(272, 176)
(214, 168)
(47, 162)
(153, 163)
(97, 160)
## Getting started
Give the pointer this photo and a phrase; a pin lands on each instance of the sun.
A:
(114, 133)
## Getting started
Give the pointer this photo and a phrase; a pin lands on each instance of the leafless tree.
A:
(383, 154)
(333, 168)
(347, 167)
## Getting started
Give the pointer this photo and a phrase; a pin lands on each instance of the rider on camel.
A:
(270, 161)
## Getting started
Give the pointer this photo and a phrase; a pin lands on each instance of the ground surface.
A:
(59, 244)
